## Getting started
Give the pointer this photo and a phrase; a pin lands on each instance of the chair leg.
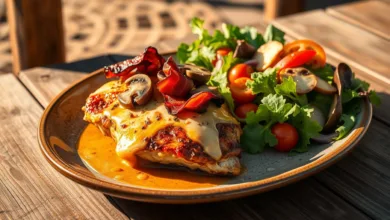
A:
(36, 33)
(277, 8)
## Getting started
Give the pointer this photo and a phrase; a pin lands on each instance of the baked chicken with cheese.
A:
(161, 113)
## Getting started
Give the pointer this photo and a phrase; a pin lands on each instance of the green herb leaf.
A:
(307, 128)
(321, 101)
(219, 79)
(251, 36)
(348, 123)
(256, 137)
(326, 73)
(273, 34)
(288, 88)
(374, 98)
(263, 82)
(196, 25)
(272, 110)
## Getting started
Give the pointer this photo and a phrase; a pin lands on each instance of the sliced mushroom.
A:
(268, 54)
(335, 112)
(318, 116)
(324, 87)
(139, 91)
(345, 75)
(199, 75)
(305, 80)
(336, 109)
(325, 138)
(244, 50)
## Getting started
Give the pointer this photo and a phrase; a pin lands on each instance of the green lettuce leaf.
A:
(273, 34)
(273, 109)
(307, 128)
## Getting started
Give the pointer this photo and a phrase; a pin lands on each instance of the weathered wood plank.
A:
(29, 187)
(363, 178)
(357, 47)
(36, 33)
(369, 15)
(46, 82)
(304, 200)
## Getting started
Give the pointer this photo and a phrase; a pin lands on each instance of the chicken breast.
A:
(207, 141)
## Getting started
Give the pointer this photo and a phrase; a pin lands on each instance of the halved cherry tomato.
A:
(221, 52)
(239, 71)
(242, 110)
(287, 136)
(240, 92)
(296, 59)
(319, 60)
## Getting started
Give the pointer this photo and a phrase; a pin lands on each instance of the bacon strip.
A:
(175, 84)
(196, 103)
(150, 62)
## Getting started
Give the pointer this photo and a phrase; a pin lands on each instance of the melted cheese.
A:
(133, 128)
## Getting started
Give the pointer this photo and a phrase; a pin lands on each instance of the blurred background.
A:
(98, 27)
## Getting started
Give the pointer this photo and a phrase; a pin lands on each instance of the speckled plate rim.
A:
(196, 195)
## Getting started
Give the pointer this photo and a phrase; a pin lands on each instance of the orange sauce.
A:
(98, 151)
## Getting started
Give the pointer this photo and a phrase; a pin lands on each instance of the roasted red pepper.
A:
(150, 62)
(196, 103)
(175, 83)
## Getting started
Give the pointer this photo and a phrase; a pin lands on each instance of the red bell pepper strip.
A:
(196, 103)
(296, 59)
(176, 83)
(150, 62)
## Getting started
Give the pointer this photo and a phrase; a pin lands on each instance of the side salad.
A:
(285, 94)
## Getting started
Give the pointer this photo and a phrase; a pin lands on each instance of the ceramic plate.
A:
(62, 124)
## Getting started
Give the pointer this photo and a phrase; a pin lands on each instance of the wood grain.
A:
(363, 178)
(36, 33)
(372, 16)
(46, 82)
(363, 50)
(29, 187)
(304, 200)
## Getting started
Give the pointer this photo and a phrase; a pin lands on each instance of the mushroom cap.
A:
(198, 74)
(335, 112)
(244, 50)
(345, 75)
(139, 91)
(305, 80)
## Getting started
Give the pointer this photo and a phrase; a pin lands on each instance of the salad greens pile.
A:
(277, 102)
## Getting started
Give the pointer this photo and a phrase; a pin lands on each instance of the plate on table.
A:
(61, 135)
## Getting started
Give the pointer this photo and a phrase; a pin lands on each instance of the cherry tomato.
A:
(242, 110)
(239, 71)
(296, 59)
(221, 52)
(240, 92)
(287, 136)
(319, 60)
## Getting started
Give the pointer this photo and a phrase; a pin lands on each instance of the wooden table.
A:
(357, 187)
